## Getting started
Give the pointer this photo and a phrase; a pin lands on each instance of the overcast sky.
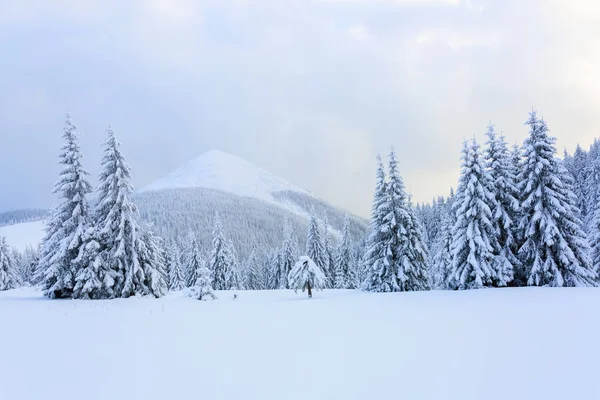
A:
(311, 90)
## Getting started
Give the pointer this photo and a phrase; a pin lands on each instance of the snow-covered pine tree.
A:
(148, 276)
(374, 260)
(504, 209)
(8, 268)
(344, 273)
(202, 289)
(118, 233)
(30, 262)
(473, 240)
(177, 278)
(64, 239)
(329, 267)
(314, 243)
(520, 275)
(412, 272)
(233, 279)
(221, 260)
(403, 267)
(193, 259)
(95, 279)
(306, 275)
(555, 249)
(442, 260)
(590, 185)
(287, 257)
(252, 271)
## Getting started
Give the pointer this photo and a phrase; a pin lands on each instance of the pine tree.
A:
(8, 268)
(193, 259)
(177, 278)
(314, 243)
(442, 260)
(30, 262)
(147, 275)
(287, 258)
(233, 280)
(329, 267)
(306, 275)
(64, 239)
(252, 271)
(202, 287)
(473, 240)
(403, 266)
(94, 271)
(504, 207)
(131, 256)
(344, 274)
(555, 249)
(375, 255)
(221, 260)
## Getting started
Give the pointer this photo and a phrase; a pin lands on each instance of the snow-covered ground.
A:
(524, 343)
(23, 234)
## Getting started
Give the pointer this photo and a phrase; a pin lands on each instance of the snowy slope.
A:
(518, 344)
(217, 170)
(23, 234)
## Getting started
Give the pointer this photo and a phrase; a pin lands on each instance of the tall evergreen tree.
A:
(287, 258)
(314, 243)
(65, 230)
(344, 274)
(473, 240)
(329, 267)
(148, 276)
(504, 207)
(555, 249)
(442, 261)
(252, 271)
(177, 277)
(374, 261)
(193, 259)
(221, 260)
(8, 270)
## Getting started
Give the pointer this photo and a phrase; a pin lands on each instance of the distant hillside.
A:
(24, 215)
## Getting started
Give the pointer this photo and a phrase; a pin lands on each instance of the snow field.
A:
(525, 343)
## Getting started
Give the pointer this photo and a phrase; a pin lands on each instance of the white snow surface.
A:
(218, 170)
(24, 234)
(525, 343)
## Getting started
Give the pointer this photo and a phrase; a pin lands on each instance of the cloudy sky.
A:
(311, 90)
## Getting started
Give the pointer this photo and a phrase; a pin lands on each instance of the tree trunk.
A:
(309, 290)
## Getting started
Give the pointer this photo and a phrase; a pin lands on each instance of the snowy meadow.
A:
(512, 343)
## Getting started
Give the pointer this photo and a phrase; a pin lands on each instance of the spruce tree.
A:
(221, 260)
(442, 260)
(555, 249)
(193, 259)
(314, 243)
(329, 267)
(287, 258)
(473, 240)
(233, 280)
(504, 207)
(410, 263)
(344, 273)
(252, 271)
(65, 230)
(374, 260)
(177, 278)
(128, 252)
(8, 268)
(202, 289)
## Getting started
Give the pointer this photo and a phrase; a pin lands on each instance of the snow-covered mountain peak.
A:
(218, 170)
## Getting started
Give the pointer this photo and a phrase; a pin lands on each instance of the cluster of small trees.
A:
(515, 219)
